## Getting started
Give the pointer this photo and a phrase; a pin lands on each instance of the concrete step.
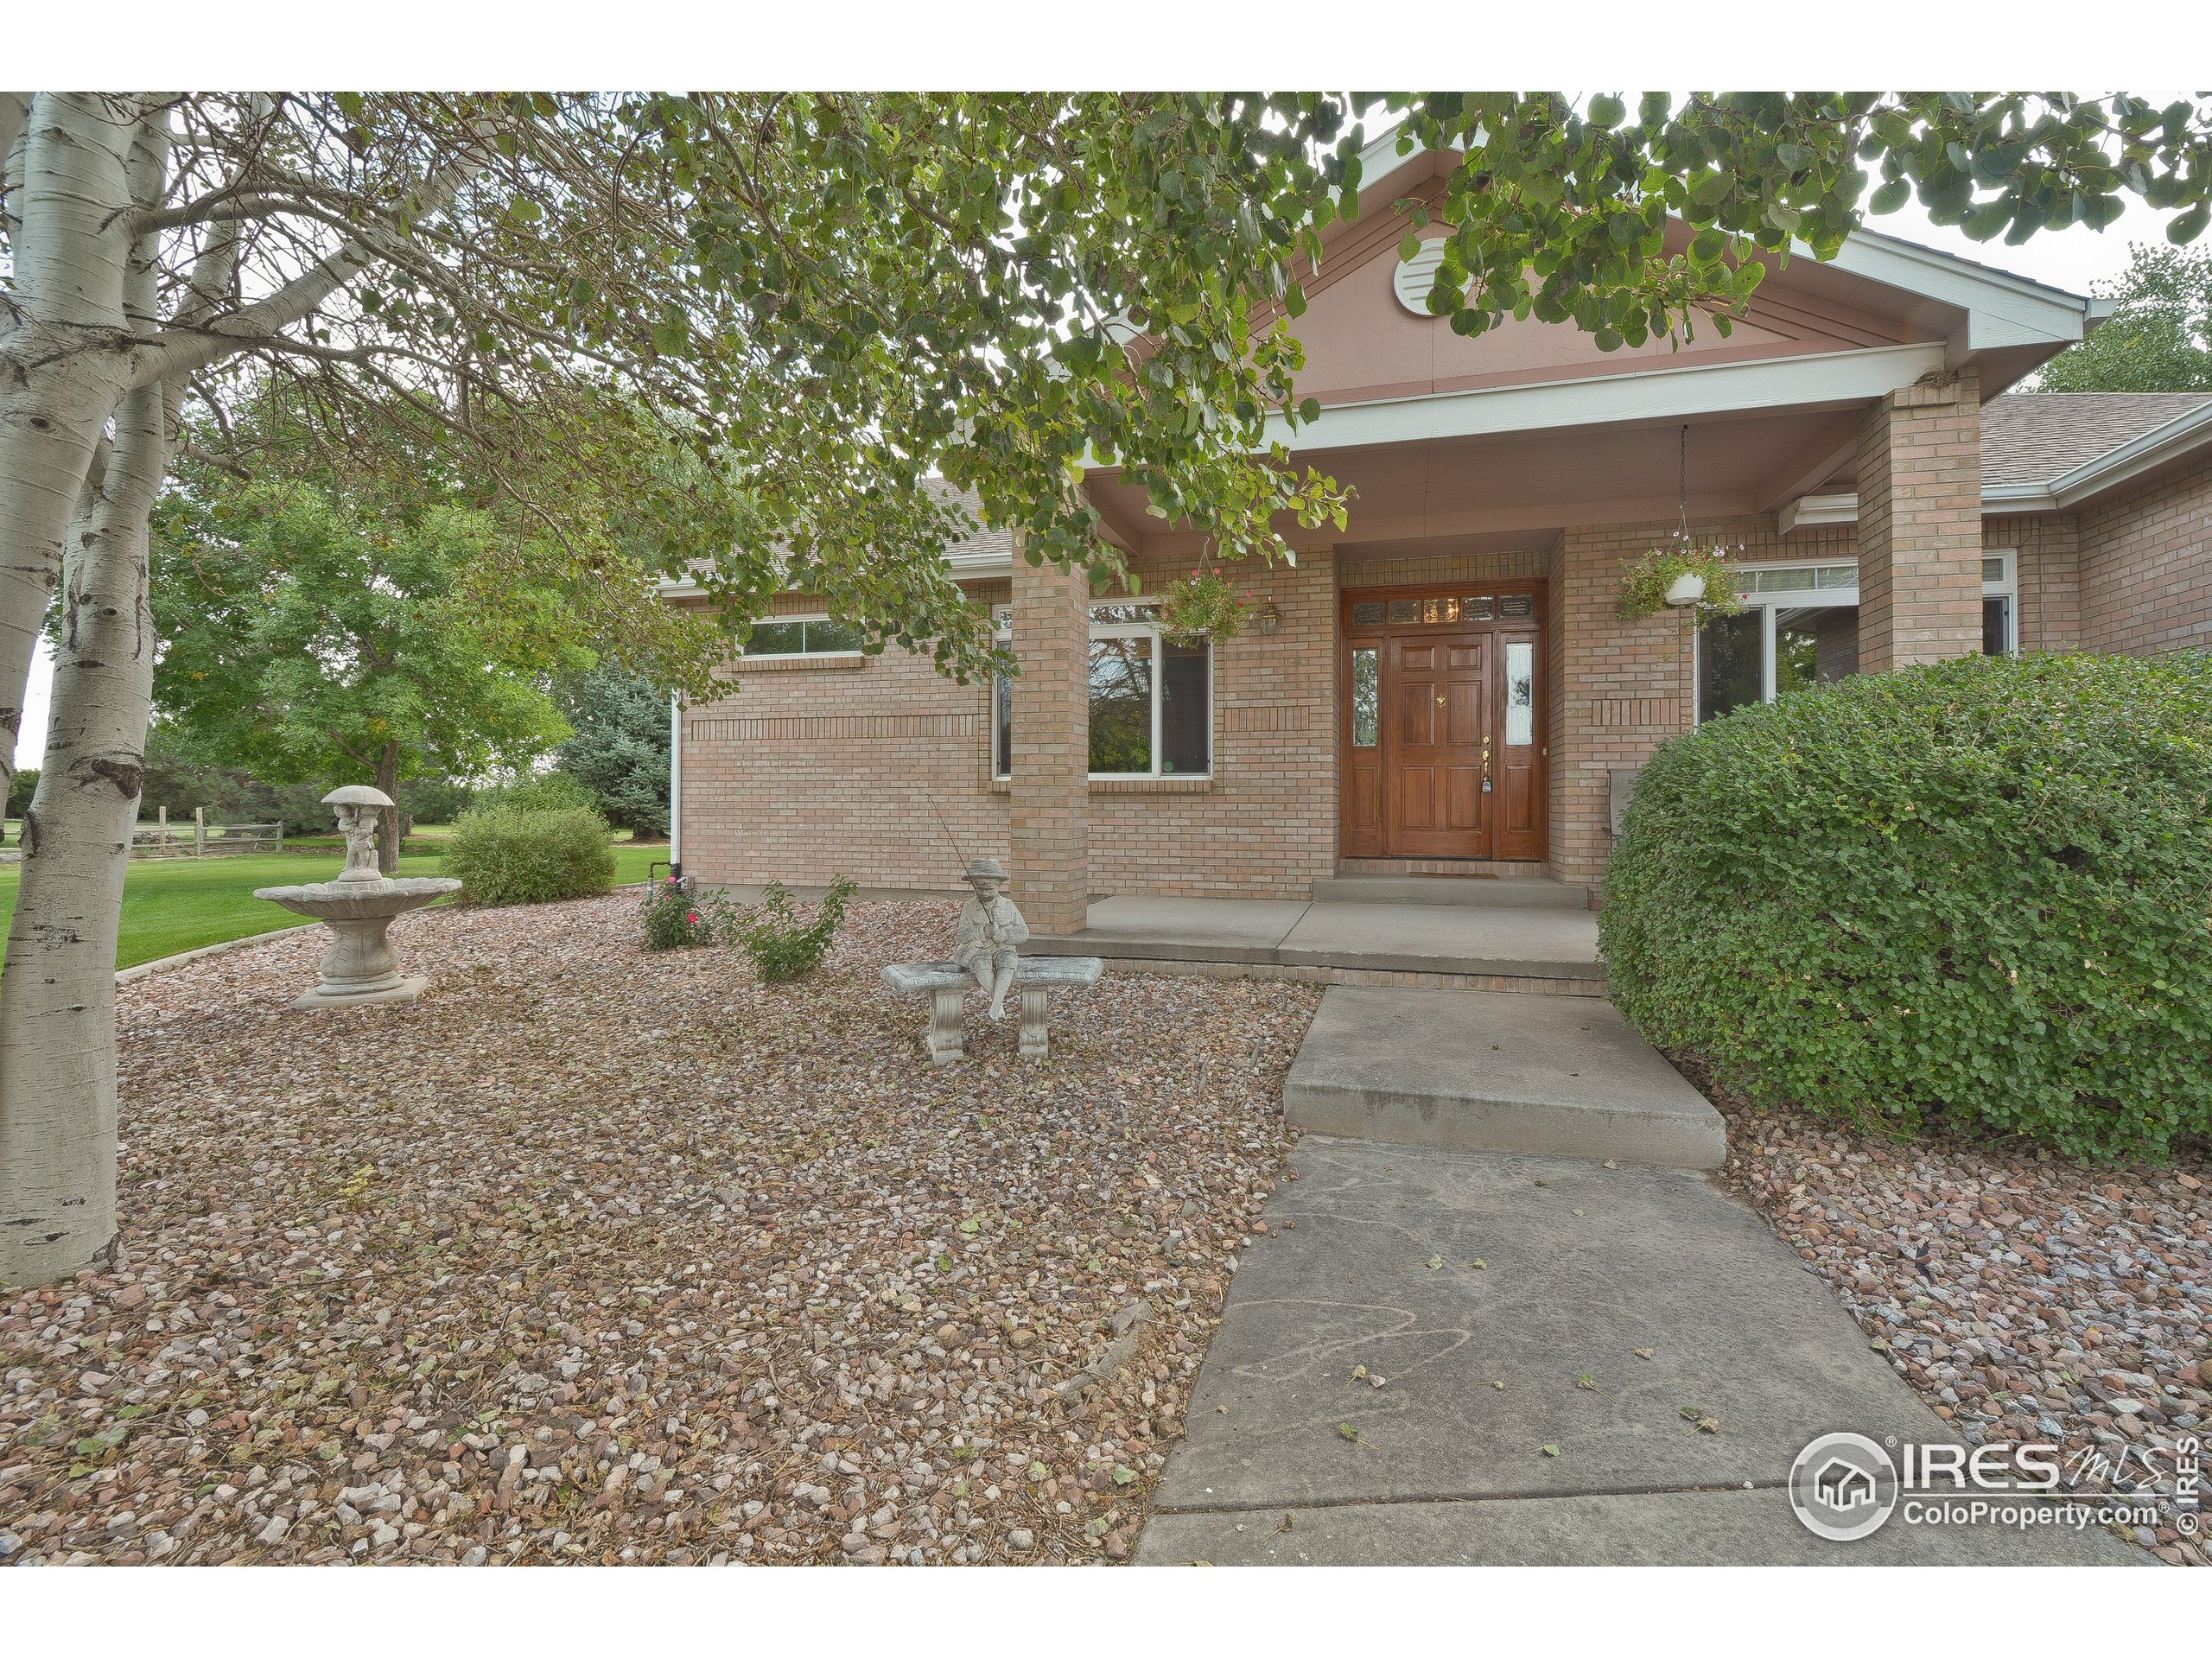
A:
(1496, 1071)
(1482, 892)
(1556, 949)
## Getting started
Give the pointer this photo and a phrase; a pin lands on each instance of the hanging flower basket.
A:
(1680, 574)
(1202, 606)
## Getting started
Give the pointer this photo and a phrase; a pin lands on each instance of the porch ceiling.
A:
(1511, 490)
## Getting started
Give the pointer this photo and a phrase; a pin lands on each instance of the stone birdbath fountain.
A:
(358, 907)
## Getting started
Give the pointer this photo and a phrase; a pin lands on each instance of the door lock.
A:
(1486, 767)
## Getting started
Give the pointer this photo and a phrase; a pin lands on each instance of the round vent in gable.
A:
(1416, 276)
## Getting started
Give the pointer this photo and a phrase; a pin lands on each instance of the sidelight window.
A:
(1366, 697)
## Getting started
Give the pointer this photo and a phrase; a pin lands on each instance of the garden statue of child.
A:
(990, 927)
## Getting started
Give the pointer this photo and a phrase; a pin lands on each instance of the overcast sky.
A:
(2076, 259)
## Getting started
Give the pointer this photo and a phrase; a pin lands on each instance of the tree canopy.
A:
(2158, 337)
(323, 639)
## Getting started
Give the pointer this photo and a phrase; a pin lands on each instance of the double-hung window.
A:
(1151, 699)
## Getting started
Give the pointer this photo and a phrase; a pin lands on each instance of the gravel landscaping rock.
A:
(2026, 1297)
(595, 1255)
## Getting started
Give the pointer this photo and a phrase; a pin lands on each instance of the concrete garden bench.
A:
(946, 985)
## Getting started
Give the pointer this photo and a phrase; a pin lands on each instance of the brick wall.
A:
(2146, 567)
(1267, 826)
(1920, 524)
(2048, 576)
(1621, 689)
(807, 771)
(1049, 819)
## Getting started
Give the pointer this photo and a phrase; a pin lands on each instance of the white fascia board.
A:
(1997, 501)
(965, 567)
(1999, 498)
(976, 567)
(1808, 511)
(2138, 455)
(1836, 379)
(2001, 310)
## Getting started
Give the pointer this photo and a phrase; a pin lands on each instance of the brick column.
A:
(1920, 524)
(1051, 745)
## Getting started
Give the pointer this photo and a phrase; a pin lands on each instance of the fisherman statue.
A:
(990, 928)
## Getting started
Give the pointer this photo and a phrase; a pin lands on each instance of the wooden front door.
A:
(1443, 740)
(1435, 763)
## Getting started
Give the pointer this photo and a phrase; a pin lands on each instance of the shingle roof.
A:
(986, 543)
(2031, 437)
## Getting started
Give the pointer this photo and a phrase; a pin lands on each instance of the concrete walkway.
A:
(1518, 1421)
(1548, 943)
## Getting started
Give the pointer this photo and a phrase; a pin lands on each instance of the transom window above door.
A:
(1439, 610)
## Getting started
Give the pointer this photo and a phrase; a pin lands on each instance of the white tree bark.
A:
(57, 999)
(63, 358)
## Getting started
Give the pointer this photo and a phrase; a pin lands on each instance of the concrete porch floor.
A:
(1556, 947)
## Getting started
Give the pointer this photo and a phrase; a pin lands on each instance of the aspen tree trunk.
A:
(62, 368)
(57, 999)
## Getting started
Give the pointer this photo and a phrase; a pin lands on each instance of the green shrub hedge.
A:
(505, 855)
(1981, 890)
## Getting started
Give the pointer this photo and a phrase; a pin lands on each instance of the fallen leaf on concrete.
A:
(1434, 1263)
(1347, 1431)
(1551, 1450)
(1586, 1381)
(1640, 1353)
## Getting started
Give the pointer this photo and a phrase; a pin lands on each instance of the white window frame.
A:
(1002, 628)
(1807, 599)
(801, 655)
(2006, 587)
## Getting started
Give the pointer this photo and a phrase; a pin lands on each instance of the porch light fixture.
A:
(1269, 619)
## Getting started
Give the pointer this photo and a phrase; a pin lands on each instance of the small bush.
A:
(1981, 890)
(781, 946)
(674, 920)
(505, 855)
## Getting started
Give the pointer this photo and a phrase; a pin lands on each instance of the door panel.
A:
(1433, 763)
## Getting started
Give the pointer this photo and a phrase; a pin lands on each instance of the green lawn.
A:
(172, 904)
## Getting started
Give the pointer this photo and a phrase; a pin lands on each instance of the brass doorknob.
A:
(1439, 702)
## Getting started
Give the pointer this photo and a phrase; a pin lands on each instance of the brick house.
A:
(1444, 687)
